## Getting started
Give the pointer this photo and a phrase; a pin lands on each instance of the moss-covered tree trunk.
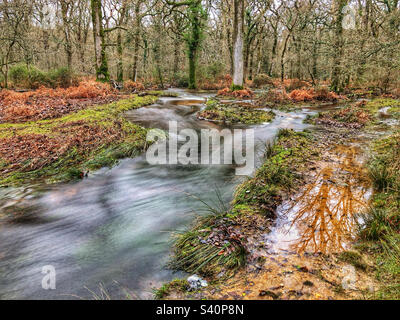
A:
(238, 30)
(193, 38)
(136, 39)
(120, 65)
(99, 42)
(337, 68)
(65, 10)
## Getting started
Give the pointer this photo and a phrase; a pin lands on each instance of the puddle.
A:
(322, 217)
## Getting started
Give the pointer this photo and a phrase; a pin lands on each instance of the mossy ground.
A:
(358, 114)
(121, 139)
(234, 113)
(278, 174)
(380, 233)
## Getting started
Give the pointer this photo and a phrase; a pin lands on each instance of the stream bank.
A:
(313, 249)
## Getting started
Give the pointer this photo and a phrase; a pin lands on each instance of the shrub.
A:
(262, 80)
(62, 78)
(323, 94)
(244, 93)
(275, 96)
(293, 84)
(300, 95)
(395, 92)
(320, 94)
(181, 80)
(28, 76)
(216, 84)
(132, 86)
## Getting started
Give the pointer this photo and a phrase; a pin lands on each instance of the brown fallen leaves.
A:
(33, 151)
(47, 103)
(218, 84)
(241, 94)
(353, 117)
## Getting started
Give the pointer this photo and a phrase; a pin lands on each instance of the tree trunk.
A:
(136, 39)
(274, 52)
(238, 28)
(6, 77)
(99, 42)
(283, 57)
(65, 7)
(177, 48)
(337, 70)
(193, 41)
(251, 70)
(120, 66)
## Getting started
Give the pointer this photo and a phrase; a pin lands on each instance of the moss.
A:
(377, 104)
(235, 87)
(75, 162)
(176, 285)
(233, 113)
(353, 258)
(278, 174)
(161, 93)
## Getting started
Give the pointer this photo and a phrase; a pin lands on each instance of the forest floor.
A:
(60, 134)
(299, 221)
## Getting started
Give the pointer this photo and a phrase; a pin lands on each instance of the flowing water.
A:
(113, 229)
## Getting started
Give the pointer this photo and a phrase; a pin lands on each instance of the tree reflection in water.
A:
(322, 218)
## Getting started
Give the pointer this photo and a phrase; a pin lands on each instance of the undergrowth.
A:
(380, 229)
(66, 148)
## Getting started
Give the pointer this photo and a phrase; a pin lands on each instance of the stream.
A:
(110, 234)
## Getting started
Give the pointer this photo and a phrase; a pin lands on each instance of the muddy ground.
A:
(310, 251)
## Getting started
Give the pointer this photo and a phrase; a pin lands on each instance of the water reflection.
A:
(322, 217)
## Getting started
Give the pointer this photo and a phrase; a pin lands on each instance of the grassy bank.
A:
(216, 245)
(381, 233)
(65, 148)
(357, 115)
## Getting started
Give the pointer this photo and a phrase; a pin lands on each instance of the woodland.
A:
(83, 82)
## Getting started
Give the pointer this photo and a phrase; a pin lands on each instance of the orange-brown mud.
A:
(300, 257)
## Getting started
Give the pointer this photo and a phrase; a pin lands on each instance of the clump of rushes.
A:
(176, 285)
(234, 113)
(217, 243)
(209, 247)
(67, 148)
(380, 230)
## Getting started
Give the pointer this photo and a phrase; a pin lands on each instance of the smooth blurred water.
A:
(113, 229)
